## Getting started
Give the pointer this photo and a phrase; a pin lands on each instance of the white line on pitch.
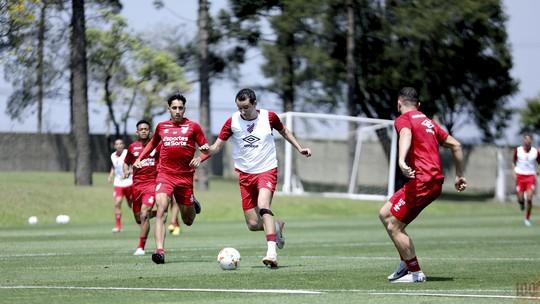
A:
(449, 295)
(271, 291)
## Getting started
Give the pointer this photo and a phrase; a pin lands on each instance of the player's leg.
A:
(184, 198)
(162, 202)
(174, 227)
(146, 202)
(117, 199)
(520, 191)
(528, 207)
(269, 225)
(404, 245)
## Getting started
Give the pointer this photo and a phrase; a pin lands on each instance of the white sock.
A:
(271, 249)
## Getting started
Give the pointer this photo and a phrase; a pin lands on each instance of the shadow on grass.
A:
(439, 279)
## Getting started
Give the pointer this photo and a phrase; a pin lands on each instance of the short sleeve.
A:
(130, 159)
(275, 122)
(226, 130)
(200, 139)
(402, 122)
(440, 133)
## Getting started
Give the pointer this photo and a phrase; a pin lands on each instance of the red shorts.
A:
(250, 184)
(143, 194)
(525, 183)
(409, 201)
(181, 186)
(123, 192)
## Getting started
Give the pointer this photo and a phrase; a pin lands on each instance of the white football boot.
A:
(411, 277)
(527, 223)
(400, 271)
(270, 261)
(139, 251)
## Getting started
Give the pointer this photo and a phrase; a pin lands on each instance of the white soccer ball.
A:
(62, 219)
(229, 258)
(32, 220)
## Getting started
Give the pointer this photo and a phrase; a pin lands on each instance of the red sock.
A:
(118, 216)
(160, 251)
(142, 242)
(413, 265)
(271, 237)
(528, 214)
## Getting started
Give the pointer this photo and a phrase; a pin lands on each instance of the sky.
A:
(143, 17)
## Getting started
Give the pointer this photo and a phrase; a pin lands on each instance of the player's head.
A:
(119, 145)
(527, 140)
(143, 129)
(408, 98)
(177, 106)
(246, 102)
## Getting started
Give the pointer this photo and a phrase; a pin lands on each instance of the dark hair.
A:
(142, 121)
(119, 138)
(248, 94)
(176, 96)
(527, 135)
(409, 94)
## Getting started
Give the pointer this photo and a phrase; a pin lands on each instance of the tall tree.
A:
(530, 116)
(79, 85)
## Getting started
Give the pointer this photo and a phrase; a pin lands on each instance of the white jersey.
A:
(118, 166)
(254, 150)
(526, 162)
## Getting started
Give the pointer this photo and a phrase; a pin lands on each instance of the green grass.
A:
(334, 246)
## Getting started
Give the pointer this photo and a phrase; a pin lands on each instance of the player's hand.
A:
(406, 170)
(137, 164)
(205, 148)
(305, 151)
(109, 179)
(461, 183)
(195, 162)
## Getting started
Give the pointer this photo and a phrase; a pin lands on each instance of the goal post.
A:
(353, 157)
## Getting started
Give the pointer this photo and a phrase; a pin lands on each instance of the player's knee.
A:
(253, 226)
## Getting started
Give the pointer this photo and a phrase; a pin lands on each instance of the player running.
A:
(179, 137)
(144, 182)
(254, 155)
(122, 186)
(419, 140)
(526, 160)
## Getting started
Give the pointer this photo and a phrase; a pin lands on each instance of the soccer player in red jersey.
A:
(526, 160)
(418, 157)
(122, 186)
(254, 154)
(144, 181)
(179, 137)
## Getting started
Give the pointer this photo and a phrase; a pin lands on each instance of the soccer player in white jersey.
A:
(122, 186)
(526, 160)
(254, 154)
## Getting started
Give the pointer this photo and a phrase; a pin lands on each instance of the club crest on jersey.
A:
(251, 127)
(184, 129)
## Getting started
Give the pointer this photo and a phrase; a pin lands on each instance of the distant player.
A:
(419, 140)
(526, 160)
(179, 137)
(144, 182)
(254, 154)
(122, 186)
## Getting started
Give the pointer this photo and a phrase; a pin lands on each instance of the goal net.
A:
(353, 157)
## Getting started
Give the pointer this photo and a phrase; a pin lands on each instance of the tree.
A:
(83, 165)
(204, 81)
(530, 116)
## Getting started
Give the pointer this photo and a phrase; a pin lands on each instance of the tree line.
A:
(320, 55)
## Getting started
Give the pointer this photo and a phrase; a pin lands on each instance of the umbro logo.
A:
(251, 139)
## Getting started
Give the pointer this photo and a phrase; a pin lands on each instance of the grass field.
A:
(336, 252)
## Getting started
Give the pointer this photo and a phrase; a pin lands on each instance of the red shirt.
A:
(178, 144)
(148, 172)
(423, 155)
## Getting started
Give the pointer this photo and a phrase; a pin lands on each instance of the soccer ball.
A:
(62, 219)
(229, 258)
(32, 220)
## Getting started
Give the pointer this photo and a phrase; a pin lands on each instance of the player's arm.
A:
(289, 136)
(126, 170)
(405, 141)
(457, 153)
(111, 175)
(154, 142)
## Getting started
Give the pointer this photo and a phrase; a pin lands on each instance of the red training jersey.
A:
(423, 155)
(148, 172)
(178, 144)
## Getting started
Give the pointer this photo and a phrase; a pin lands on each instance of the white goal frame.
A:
(292, 185)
